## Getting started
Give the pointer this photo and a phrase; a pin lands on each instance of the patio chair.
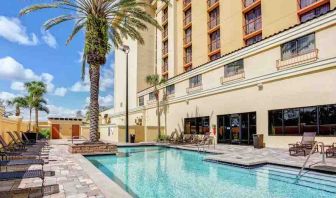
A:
(331, 151)
(13, 152)
(172, 138)
(6, 163)
(305, 146)
(35, 145)
(18, 144)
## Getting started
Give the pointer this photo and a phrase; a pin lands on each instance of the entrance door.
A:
(55, 134)
(235, 128)
(75, 131)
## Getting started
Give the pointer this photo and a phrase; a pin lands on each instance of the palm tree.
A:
(102, 20)
(18, 103)
(155, 81)
(36, 90)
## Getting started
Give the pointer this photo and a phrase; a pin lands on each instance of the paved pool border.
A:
(107, 186)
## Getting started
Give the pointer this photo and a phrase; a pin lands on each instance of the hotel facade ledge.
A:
(297, 60)
(191, 90)
(247, 82)
(239, 76)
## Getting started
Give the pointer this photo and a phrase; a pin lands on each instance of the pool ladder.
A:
(306, 161)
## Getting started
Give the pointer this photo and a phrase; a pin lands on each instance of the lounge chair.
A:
(9, 152)
(305, 146)
(172, 138)
(21, 145)
(6, 163)
(331, 151)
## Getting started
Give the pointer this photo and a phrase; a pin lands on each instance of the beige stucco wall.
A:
(65, 130)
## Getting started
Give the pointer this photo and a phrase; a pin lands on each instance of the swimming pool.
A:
(166, 172)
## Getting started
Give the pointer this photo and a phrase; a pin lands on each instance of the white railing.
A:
(195, 89)
(297, 59)
(224, 79)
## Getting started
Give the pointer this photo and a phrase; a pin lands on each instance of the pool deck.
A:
(77, 177)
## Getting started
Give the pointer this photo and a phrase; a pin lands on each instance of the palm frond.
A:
(33, 8)
(57, 20)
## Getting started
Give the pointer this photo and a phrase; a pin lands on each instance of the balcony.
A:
(212, 4)
(186, 4)
(187, 21)
(214, 45)
(240, 74)
(308, 5)
(296, 59)
(164, 34)
(187, 60)
(165, 51)
(187, 41)
(195, 89)
(253, 28)
(250, 4)
(213, 24)
(164, 18)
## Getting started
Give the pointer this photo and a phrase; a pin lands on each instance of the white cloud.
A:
(12, 30)
(10, 69)
(47, 79)
(104, 101)
(17, 86)
(80, 86)
(49, 39)
(6, 96)
(80, 54)
(61, 91)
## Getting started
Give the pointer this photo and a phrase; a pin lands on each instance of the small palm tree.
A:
(102, 20)
(155, 81)
(18, 103)
(36, 91)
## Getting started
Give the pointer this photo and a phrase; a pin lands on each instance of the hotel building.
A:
(233, 68)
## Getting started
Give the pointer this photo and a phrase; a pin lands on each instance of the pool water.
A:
(166, 172)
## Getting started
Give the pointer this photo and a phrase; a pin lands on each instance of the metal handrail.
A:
(311, 152)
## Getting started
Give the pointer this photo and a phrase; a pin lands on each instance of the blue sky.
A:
(28, 53)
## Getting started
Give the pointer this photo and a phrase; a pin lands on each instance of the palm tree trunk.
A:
(94, 104)
(36, 120)
(30, 112)
(158, 115)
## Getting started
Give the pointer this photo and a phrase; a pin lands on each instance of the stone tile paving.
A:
(69, 175)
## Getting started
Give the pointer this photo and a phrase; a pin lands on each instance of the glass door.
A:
(224, 129)
(235, 128)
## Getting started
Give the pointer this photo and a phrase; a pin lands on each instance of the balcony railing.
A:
(164, 33)
(194, 89)
(187, 20)
(297, 59)
(187, 39)
(213, 22)
(187, 59)
(306, 3)
(164, 17)
(247, 3)
(239, 75)
(186, 2)
(214, 45)
(164, 51)
(253, 26)
(211, 2)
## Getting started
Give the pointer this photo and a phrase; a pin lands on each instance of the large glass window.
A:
(315, 12)
(253, 40)
(195, 81)
(170, 89)
(234, 68)
(152, 96)
(298, 47)
(296, 121)
(141, 101)
(198, 125)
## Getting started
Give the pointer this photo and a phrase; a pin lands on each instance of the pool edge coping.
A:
(107, 186)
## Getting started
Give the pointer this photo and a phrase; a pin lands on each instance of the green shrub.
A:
(162, 138)
(45, 133)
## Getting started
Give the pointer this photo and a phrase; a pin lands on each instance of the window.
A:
(151, 96)
(195, 81)
(141, 101)
(315, 12)
(296, 121)
(214, 41)
(253, 40)
(215, 56)
(187, 36)
(165, 48)
(234, 68)
(187, 16)
(214, 18)
(188, 55)
(199, 125)
(253, 20)
(298, 47)
(170, 90)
